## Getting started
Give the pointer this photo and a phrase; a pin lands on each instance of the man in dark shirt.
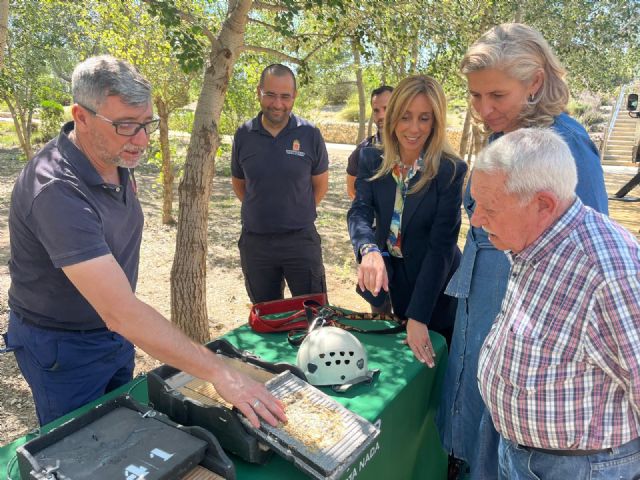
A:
(379, 100)
(279, 168)
(75, 228)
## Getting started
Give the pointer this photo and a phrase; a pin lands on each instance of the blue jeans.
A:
(67, 369)
(519, 463)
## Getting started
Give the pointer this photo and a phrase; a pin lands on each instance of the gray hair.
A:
(534, 160)
(520, 51)
(100, 77)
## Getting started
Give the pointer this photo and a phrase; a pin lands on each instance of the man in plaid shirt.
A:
(560, 368)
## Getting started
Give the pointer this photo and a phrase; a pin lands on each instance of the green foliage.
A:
(586, 109)
(577, 109)
(177, 150)
(55, 89)
(241, 102)
(8, 137)
(38, 39)
(185, 38)
(181, 121)
(592, 118)
(51, 119)
(223, 162)
(596, 41)
(351, 111)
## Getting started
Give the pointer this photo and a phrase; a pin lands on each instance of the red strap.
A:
(296, 320)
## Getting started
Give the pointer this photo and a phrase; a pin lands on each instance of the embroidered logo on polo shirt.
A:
(295, 149)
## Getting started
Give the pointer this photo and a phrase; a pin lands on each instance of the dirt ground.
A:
(227, 301)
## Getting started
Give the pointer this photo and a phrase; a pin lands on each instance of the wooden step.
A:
(617, 159)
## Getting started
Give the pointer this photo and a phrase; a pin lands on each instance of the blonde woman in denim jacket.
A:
(514, 81)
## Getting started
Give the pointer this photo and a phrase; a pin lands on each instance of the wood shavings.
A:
(318, 426)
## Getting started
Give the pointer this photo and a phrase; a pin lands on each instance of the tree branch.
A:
(264, 24)
(326, 42)
(270, 51)
(258, 5)
(192, 20)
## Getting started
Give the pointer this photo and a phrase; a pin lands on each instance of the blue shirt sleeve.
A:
(236, 168)
(321, 161)
(591, 188)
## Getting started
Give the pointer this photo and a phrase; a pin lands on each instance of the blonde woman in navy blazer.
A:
(412, 187)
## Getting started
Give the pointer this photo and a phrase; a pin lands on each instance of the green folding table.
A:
(402, 401)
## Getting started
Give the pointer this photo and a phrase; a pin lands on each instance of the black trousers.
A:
(270, 259)
(401, 289)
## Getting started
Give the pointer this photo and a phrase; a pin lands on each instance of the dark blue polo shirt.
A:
(63, 213)
(277, 173)
(354, 158)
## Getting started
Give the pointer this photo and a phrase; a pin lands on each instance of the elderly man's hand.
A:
(419, 342)
(250, 397)
(372, 274)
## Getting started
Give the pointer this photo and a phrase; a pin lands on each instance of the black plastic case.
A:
(121, 439)
(222, 421)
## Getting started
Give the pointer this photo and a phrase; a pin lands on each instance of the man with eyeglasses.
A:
(279, 168)
(75, 227)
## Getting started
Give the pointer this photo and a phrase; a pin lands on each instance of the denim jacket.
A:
(590, 189)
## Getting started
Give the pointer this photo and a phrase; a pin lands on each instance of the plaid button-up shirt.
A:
(560, 368)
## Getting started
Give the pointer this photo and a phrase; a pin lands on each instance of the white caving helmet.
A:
(333, 356)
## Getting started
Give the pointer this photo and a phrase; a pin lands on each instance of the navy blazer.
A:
(430, 226)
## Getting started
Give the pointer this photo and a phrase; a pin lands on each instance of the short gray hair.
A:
(534, 160)
(103, 76)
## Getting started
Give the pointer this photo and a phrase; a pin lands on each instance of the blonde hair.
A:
(520, 51)
(436, 145)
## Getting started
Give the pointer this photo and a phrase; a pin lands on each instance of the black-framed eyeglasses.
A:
(127, 128)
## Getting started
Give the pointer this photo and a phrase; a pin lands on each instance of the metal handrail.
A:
(612, 121)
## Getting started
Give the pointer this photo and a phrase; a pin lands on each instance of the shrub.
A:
(351, 111)
(577, 109)
(51, 119)
(591, 118)
(339, 93)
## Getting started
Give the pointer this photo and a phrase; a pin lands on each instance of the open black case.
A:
(341, 436)
(122, 438)
(190, 401)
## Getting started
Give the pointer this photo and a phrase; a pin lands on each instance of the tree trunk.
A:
(519, 13)
(188, 274)
(415, 51)
(478, 141)
(464, 141)
(22, 131)
(362, 106)
(167, 167)
(4, 21)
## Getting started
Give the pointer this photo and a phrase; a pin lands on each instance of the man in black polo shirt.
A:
(75, 229)
(379, 100)
(279, 168)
